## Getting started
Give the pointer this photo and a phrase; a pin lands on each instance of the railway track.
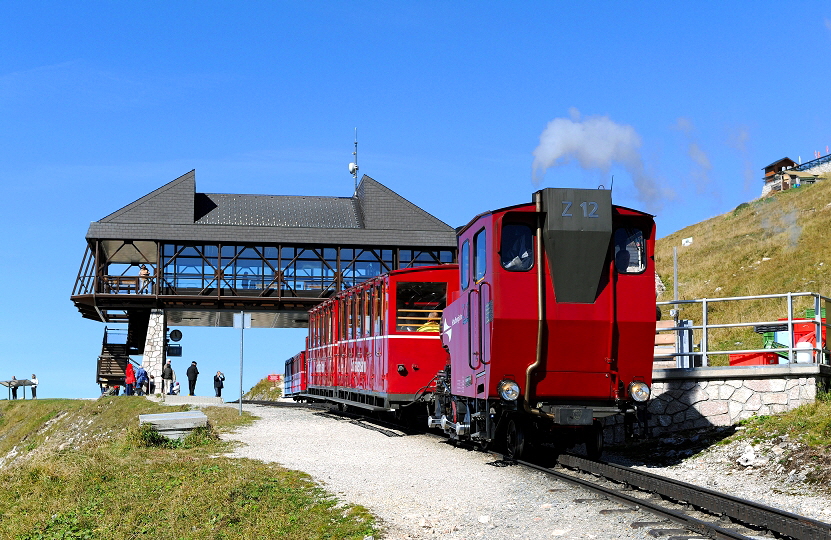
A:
(697, 512)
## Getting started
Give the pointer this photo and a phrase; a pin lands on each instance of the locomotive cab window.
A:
(516, 250)
(419, 306)
(630, 251)
(464, 267)
(480, 259)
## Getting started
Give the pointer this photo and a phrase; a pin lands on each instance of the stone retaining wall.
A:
(721, 396)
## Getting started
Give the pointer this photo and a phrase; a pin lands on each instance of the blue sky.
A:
(460, 107)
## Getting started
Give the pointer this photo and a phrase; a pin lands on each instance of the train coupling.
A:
(447, 426)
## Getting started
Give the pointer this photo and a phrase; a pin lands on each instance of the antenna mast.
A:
(353, 167)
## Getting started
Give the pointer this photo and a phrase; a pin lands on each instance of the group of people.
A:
(138, 382)
(34, 385)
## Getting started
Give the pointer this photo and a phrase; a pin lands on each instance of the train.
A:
(542, 332)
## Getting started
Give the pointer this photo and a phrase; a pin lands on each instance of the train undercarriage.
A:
(522, 433)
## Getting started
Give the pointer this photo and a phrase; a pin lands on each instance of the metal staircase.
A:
(112, 362)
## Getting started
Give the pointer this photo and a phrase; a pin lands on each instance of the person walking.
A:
(218, 383)
(192, 374)
(167, 378)
(129, 379)
(34, 380)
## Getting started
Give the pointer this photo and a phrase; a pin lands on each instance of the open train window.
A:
(464, 268)
(516, 252)
(419, 305)
(480, 259)
(630, 251)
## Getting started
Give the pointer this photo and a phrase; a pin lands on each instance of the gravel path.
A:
(423, 488)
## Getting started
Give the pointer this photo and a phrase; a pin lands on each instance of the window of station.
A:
(516, 252)
(254, 270)
(464, 267)
(411, 258)
(360, 265)
(630, 251)
(419, 306)
(480, 259)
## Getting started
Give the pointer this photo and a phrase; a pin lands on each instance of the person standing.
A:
(141, 380)
(13, 386)
(192, 374)
(151, 385)
(167, 378)
(129, 379)
(34, 380)
(218, 383)
(144, 279)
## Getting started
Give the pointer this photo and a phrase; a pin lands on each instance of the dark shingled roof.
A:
(375, 215)
(277, 211)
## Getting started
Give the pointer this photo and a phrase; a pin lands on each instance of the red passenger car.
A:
(294, 379)
(554, 326)
(377, 345)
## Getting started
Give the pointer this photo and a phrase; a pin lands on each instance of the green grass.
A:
(265, 390)
(809, 424)
(119, 481)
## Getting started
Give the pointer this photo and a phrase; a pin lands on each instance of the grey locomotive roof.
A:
(374, 215)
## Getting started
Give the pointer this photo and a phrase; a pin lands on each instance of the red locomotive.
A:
(547, 328)
(554, 328)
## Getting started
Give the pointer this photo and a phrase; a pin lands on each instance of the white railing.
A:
(817, 353)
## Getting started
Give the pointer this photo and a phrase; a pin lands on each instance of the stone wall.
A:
(154, 346)
(721, 396)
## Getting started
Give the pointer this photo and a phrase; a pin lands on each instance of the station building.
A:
(176, 257)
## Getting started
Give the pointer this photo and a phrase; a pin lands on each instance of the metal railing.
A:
(797, 352)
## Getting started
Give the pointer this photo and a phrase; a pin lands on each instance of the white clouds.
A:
(595, 142)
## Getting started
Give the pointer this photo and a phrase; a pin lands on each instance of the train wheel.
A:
(516, 441)
(594, 441)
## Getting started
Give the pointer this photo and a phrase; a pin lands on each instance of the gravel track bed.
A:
(420, 487)
(718, 468)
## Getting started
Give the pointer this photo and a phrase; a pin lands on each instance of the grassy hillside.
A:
(773, 245)
(265, 390)
(82, 469)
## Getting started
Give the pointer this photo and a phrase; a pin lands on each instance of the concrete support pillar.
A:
(154, 347)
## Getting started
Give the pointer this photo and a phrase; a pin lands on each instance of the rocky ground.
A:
(778, 472)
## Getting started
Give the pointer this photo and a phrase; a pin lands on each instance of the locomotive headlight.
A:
(508, 390)
(639, 391)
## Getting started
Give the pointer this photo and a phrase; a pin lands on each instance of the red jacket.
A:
(131, 376)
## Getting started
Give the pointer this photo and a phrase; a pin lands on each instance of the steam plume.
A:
(701, 162)
(739, 141)
(595, 142)
(778, 221)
